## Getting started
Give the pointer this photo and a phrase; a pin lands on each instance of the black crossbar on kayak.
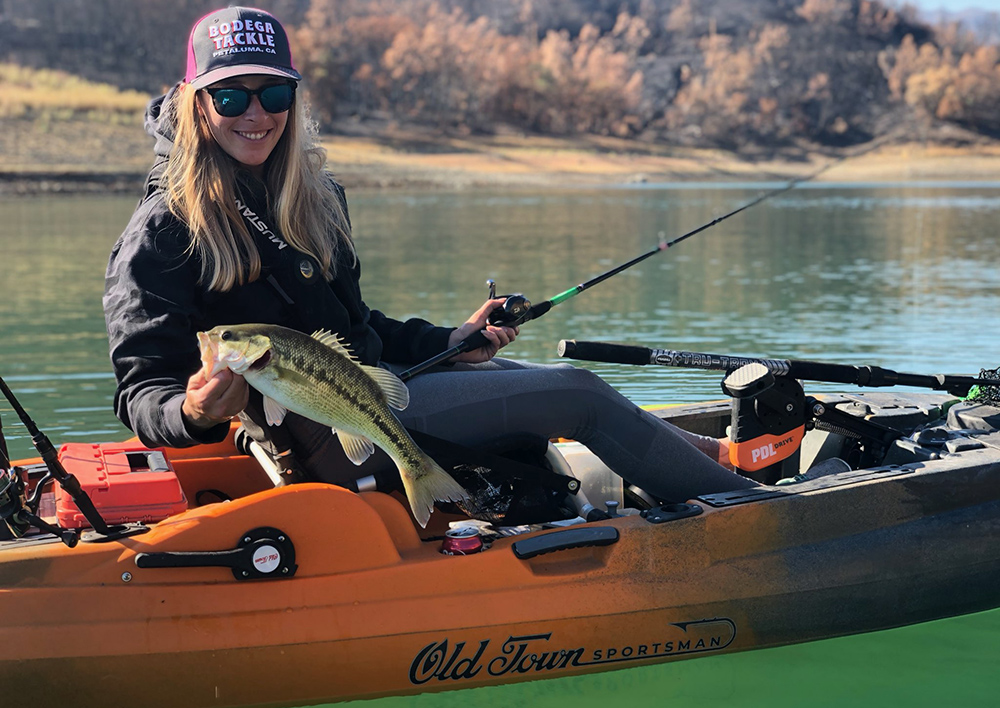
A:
(865, 376)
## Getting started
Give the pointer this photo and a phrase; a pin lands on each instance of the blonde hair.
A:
(200, 190)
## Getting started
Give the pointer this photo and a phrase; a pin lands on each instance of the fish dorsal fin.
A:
(274, 412)
(357, 447)
(335, 343)
(396, 393)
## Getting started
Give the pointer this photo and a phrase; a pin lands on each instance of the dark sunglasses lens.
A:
(277, 99)
(231, 102)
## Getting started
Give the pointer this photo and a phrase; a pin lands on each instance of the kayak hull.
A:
(371, 609)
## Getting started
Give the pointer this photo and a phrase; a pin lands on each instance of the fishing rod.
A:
(865, 376)
(517, 309)
(19, 513)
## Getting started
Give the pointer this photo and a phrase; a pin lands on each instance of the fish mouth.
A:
(217, 355)
(211, 364)
(260, 362)
(240, 364)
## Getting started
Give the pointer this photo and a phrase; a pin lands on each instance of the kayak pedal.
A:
(264, 553)
(565, 540)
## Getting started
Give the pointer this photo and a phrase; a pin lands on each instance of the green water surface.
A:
(902, 276)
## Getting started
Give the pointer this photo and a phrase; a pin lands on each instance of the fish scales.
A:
(328, 383)
(360, 403)
(315, 376)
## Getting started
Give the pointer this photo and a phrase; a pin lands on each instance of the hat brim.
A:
(228, 72)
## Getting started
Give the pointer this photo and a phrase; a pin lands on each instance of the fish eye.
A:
(226, 335)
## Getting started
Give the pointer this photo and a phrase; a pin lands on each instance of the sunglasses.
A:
(234, 101)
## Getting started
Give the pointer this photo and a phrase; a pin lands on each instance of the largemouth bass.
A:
(317, 377)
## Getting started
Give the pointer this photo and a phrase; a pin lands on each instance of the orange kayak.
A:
(309, 593)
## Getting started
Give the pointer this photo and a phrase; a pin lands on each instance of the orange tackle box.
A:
(128, 483)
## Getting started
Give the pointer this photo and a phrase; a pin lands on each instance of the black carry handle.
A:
(565, 540)
(867, 376)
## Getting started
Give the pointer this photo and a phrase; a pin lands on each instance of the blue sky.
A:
(993, 5)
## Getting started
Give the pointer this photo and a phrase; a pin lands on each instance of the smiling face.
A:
(251, 137)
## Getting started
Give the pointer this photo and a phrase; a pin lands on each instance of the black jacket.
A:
(154, 305)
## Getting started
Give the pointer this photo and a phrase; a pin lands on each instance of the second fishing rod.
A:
(517, 309)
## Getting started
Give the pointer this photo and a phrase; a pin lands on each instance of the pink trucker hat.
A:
(237, 41)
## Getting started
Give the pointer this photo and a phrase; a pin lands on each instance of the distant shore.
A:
(544, 162)
(70, 159)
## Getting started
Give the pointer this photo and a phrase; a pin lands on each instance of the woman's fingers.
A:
(208, 402)
(502, 336)
(497, 337)
(233, 394)
(482, 314)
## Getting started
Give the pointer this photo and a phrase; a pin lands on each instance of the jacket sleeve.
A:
(151, 306)
(409, 342)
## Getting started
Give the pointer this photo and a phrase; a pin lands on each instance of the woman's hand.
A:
(497, 337)
(208, 402)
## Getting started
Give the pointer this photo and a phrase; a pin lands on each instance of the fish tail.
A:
(428, 484)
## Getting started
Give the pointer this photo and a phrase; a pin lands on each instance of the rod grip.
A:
(474, 341)
(602, 351)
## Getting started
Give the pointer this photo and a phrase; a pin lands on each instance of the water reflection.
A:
(902, 276)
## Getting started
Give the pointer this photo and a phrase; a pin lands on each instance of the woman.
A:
(241, 224)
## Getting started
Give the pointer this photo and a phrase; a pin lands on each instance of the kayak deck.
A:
(373, 608)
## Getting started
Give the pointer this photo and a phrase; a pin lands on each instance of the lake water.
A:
(901, 276)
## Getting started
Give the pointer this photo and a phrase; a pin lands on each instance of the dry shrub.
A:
(825, 11)
(899, 64)
(681, 17)
(731, 98)
(877, 20)
(441, 68)
(965, 90)
(826, 70)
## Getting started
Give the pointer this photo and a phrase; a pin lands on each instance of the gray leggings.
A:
(472, 404)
